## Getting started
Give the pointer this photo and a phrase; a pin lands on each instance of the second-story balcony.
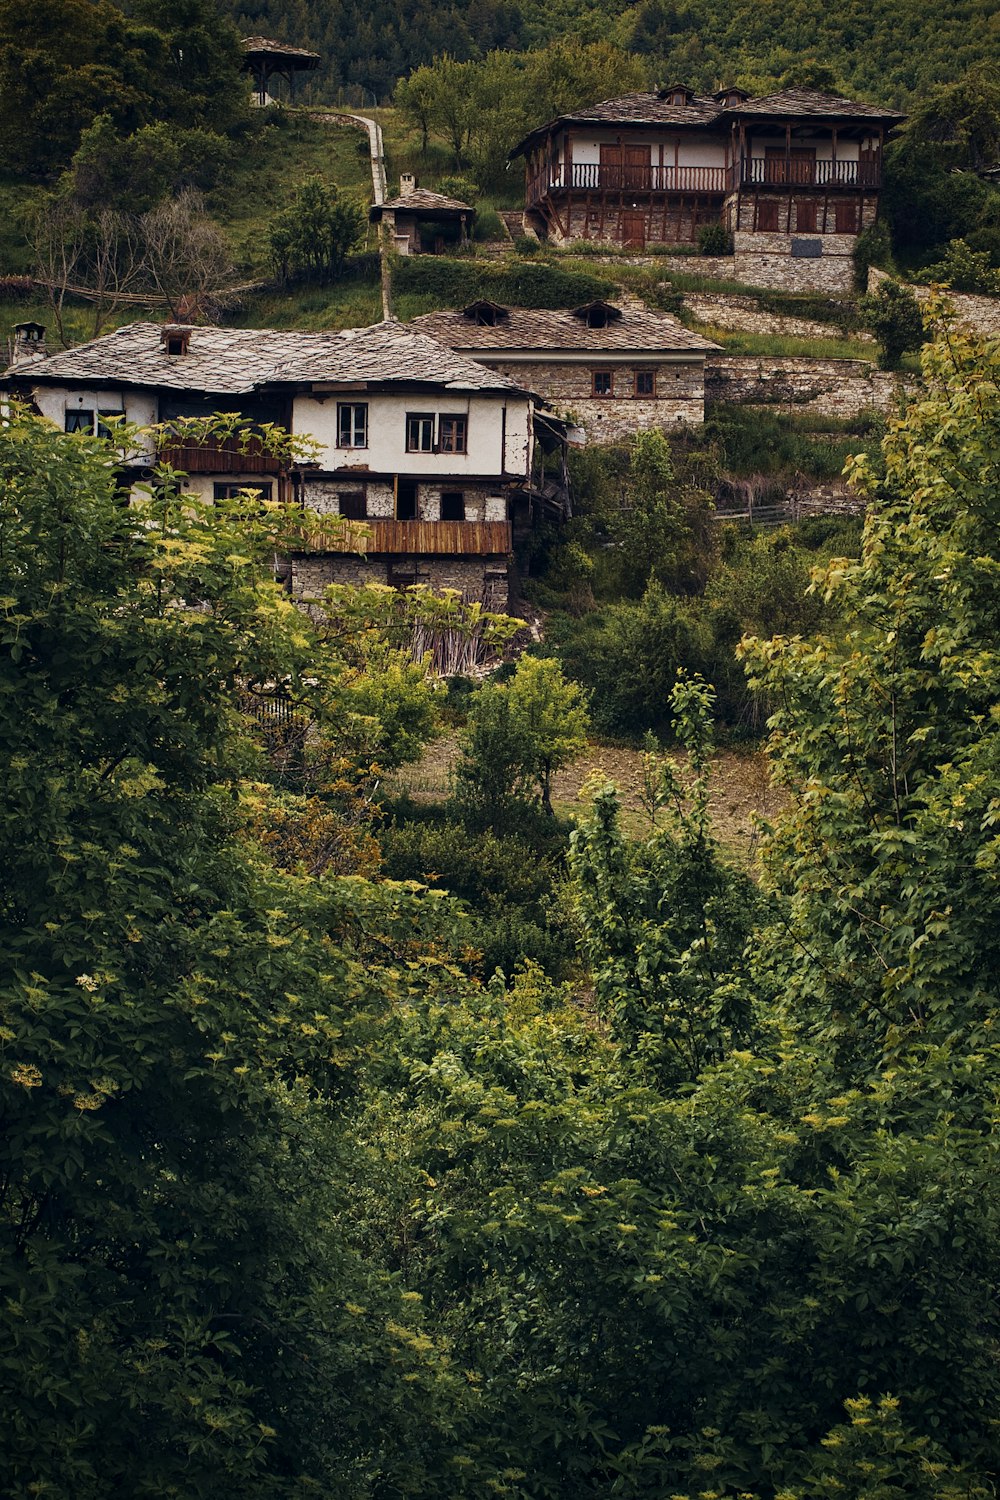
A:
(631, 178)
(802, 171)
(412, 538)
(214, 455)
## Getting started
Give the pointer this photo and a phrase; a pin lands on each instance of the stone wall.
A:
(828, 387)
(680, 394)
(478, 579)
(977, 313)
(483, 501)
(745, 315)
(666, 223)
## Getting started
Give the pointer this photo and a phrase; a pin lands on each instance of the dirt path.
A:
(741, 788)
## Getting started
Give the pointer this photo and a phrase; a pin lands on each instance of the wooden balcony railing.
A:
(414, 538)
(760, 172)
(219, 456)
(632, 179)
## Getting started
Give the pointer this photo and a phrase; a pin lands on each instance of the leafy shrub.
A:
(893, 315)
(488, 225)
(714, 239)
(527, 244)
(455, 282)
(873, 247)
(462, 188)
(964, 270)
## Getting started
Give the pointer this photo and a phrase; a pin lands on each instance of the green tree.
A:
(179, 1023)
(552, 716)
(314, 235)
(892, 314)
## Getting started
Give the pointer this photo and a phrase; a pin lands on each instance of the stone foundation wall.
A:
(481, 580)
(680, 395)
(483, 501)
(829, 387)
(665, 224)
(977, 313)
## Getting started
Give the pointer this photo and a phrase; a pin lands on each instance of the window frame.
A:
(596, 375)
(73, 413)
(353, 407)
(649, 395)
(461, 427)
(420, 416)
(231, 489)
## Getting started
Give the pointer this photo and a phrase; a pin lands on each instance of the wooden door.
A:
(797, 165)
(611, 167)
(634, 230)
(868, 165)
(637, 167)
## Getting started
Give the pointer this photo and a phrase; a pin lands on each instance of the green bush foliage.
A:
(453, 283)
(893, 316)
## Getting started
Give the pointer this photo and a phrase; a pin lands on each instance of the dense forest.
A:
(301, 1195)
(888, 51)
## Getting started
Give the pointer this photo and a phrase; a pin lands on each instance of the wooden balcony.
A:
(220, 456)
(827, 176)
(414, 538)
(629, 178)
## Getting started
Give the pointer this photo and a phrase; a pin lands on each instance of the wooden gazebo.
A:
(266, 59)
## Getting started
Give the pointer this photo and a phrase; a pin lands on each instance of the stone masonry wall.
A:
(977, 313)
(478, 579)
(680, 395)
(483, 502)
(829, 387)
(745, 315)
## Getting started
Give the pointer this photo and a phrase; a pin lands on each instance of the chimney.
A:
(407, 184)
(29, 343)
(175, 339)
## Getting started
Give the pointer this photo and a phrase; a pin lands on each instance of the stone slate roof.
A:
(422, 200)
(526, 328)
(704, 111)
(236, 361)
(272, 48)
(811, 104)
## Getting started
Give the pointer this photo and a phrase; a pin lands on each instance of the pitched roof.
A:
(704, 111)
(235, 361)
(272, 48)
(799, 103)
(528, 328)
(421, 199)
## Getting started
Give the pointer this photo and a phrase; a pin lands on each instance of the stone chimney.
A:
(29, 343)
(407, 184)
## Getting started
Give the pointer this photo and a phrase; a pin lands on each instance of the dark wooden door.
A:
(798, 165)
(637, 167)
(634, 230)
(611, 167)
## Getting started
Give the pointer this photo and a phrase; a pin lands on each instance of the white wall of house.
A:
(498, 433)
(822, 144)
(696, 150)
(139, 407)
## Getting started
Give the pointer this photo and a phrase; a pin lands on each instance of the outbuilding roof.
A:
(422, 200)
(557, 331)
(267, 46)
(236, 361)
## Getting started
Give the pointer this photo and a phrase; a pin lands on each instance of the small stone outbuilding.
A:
(613, 370)
(424, 223)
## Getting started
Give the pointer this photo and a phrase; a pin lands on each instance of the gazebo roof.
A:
(261, 48)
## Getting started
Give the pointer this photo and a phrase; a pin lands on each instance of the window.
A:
(846, 218)
(80, 419)
(419, 432)
(767, 217)
(645, 383)
(354, 505)
(352, 425)
(106, 415)
(805, 218)
(227, 491)
(453, 434)
(406, 500)
(603, 383)
(452, 505)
